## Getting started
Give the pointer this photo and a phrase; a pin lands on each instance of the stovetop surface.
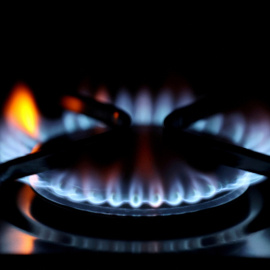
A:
(30, 224)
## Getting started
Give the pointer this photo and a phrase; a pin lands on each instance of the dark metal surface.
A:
(31, 225)
(208, 151)
(105, 112)
(204, 107)
(58, 153)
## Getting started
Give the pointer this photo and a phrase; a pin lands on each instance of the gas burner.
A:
(142, 170)
(144, 178)
(220, 228)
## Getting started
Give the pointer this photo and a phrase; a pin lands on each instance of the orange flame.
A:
(116, 115)
(21, 110)
(72, 103)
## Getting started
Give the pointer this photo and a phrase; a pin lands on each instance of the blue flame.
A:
(124, 101)
(182, 185)
(163, 106)
(250, 129)
(143, 108)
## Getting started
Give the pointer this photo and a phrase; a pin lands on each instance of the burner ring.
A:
(146, 179)
(197, 242)
(218, 200)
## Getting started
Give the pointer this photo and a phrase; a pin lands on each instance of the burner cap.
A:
(140, 177)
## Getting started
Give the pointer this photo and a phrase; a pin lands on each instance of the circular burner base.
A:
(203, 231)
(123, 210)
(140, 176)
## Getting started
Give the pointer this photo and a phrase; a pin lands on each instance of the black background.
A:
(54, 52)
